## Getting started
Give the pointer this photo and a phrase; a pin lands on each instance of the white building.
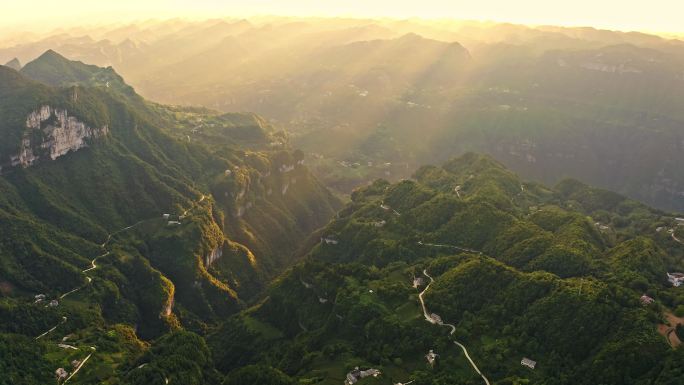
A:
(330, 240)
(676, 279)
(61, 374)
(528, 362)
(431, 358)
(355, 375)
(646, 300)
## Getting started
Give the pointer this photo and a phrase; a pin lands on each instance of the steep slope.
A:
(549, 102)
(109, 210)
(519, 269)
(14, 64)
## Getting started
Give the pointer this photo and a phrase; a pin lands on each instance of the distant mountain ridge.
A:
(14, 64)
(550, 102)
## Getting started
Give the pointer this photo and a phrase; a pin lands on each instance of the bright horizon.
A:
(656, 16)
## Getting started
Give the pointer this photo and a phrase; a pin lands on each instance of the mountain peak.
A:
(14, 64)
(51, 54)
(54, 69)
(411, 36)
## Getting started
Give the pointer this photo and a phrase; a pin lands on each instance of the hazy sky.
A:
(653, 15)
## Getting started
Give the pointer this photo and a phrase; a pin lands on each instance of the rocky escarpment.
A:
(50, 133)
(215, 254)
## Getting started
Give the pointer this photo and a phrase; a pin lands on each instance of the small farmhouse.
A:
(528, 362)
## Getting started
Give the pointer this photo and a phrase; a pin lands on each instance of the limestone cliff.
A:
(213, 256)
(51, 133)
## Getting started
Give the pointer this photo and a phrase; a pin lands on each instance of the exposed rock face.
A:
(169, 306)
(213, 256)
(59, 134)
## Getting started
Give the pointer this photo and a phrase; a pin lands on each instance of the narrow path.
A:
(453, 328)
(385, 207)
(467, 250)
(64, 319)
(92, 263)
(93, 266)
(677, 239)
(80, 365)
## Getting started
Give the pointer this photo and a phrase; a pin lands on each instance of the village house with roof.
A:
(61, 374)
(436, 319)
(676, 279)
(329, 240)
(431, 358)
(355, 375)
(528, 362)
(646, 300)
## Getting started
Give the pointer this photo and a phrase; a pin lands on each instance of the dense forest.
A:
(167, 219)
(183, 245)
(520, 270)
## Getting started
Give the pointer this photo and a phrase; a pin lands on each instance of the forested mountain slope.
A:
(520, 270)
(136, 219)
(369, 98)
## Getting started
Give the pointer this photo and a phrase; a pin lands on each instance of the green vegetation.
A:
(216, 293)
(542, 280)
(86, 229)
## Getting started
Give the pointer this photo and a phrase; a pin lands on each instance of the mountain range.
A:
(126, 212)
(549, 102)
(310, 241)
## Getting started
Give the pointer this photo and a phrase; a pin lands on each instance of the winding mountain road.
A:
(677, 239)
(64, 319)
(80, 365)
(453, 328)
(93, 266)
(451, 247)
